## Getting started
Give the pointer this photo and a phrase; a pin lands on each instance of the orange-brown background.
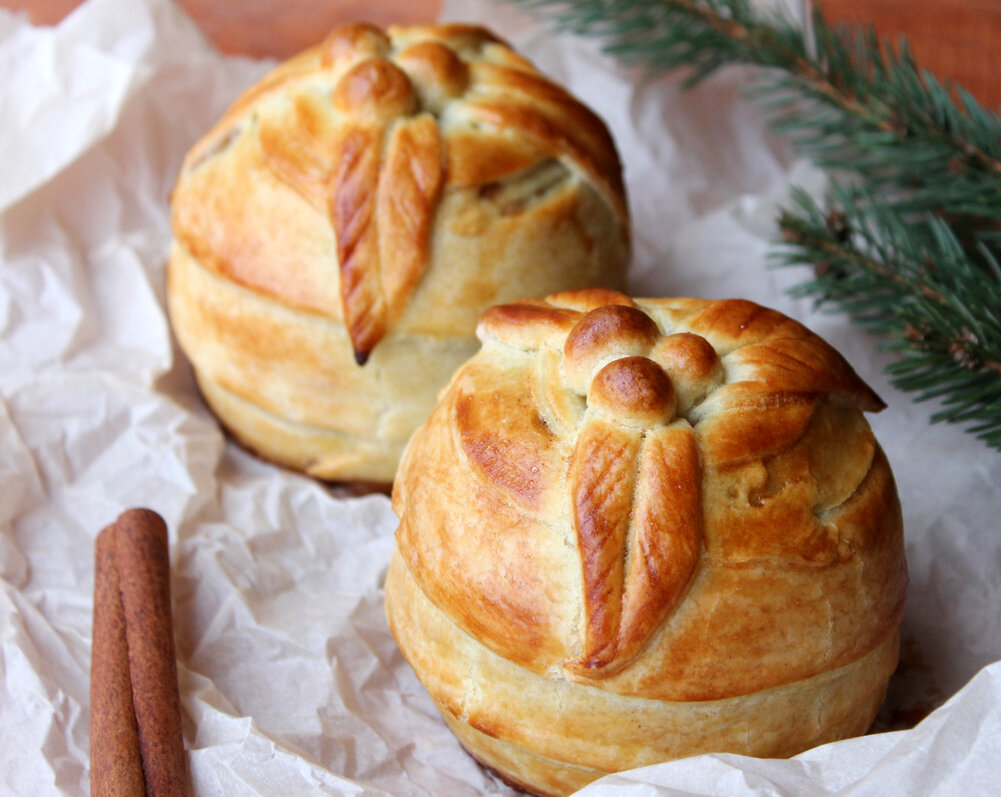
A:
(960, 39)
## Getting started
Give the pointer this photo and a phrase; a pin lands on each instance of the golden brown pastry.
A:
(339, 232)
(633, 531)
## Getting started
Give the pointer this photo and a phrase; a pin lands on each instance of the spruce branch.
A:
(911, 249)
(846, 99)
(919, 288)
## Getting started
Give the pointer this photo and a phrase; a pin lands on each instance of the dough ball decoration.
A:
(339, 232)
(636, 530)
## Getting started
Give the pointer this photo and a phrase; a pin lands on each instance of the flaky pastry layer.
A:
(552, 736)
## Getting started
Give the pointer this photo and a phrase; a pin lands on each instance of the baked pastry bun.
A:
(337, 235)
(633, 531)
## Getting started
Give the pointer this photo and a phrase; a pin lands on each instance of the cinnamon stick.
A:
(136, 745)
(115, 762)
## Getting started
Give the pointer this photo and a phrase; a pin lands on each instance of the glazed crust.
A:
(675, 500)
(381, 185)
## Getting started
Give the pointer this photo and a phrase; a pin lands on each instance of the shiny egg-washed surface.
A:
(673, 500)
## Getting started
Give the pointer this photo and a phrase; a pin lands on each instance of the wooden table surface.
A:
(960, 39)
(265, 28)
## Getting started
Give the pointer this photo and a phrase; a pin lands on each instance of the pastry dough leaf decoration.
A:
(646, 403)
(364, 127)
(635, 498)
(602, 477)
(297, 149)
(554, 133)
(409, 186)
(667, 527)
(634, 472)
(353, 212)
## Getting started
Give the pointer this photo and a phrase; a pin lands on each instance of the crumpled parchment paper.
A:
(290, 681)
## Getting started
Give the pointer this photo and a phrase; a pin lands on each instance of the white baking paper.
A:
(290, 681)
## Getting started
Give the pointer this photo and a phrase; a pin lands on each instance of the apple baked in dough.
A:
(338, 233)
(637, 530)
